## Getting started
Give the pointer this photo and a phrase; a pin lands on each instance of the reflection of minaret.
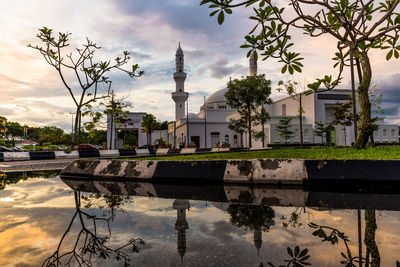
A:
(253, 63)
(257, 240)
(181, 224)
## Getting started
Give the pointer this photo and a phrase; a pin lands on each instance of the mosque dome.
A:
(218, 96)
(192, 115)
(179, 51)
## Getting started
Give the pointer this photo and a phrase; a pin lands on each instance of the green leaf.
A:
(389, 55)
(291, 70)
(284, 69)
(213, 13)
(396, 54)
(221, 17)
(227, 10)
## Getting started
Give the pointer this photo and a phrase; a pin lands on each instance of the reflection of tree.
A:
(333, 236)
(298, 258)
(15, 177)
(108, 202)
(369, 239)
(252, 217)
(90, 242)
(256, 218)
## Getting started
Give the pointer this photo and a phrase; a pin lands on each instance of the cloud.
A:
(390, 88)
(221, 68)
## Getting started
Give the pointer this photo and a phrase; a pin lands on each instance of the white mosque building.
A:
(210, 125)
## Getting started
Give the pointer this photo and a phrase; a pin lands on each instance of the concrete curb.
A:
(14, 156)
(257, 171)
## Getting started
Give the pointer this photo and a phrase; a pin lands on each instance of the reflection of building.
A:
(181, 224)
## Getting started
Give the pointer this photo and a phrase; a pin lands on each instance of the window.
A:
(180, 105)
(222, 107)
(180, 90)
(235, 139)
(393, 132)
(384, 132)
(227, 138)
(296, 132)
(283, 109)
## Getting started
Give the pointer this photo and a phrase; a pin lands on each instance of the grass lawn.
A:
(384, 152)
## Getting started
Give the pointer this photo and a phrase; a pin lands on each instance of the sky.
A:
(32, 93)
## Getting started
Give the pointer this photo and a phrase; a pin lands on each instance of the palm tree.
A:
(149, 124)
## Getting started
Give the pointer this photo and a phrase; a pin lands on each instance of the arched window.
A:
(235, 139)
(384, 132)
(180, 105)
(227, 138)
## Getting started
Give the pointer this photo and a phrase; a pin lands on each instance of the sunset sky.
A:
(32, 93)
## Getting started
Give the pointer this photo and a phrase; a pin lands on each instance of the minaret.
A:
(253, 63)
(181, 224)
(179, 96)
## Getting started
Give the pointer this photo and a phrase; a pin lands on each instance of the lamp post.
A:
(187, 120)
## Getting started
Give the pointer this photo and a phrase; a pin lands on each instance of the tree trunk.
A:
(365, 122)
(369, 237)
(301, 120)
(263, 135)
(76, 126)
(249, 125)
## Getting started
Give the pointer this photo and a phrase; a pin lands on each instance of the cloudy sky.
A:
(31, 91)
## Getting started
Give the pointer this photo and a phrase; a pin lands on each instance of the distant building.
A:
(210, 125)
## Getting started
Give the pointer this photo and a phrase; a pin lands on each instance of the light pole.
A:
(205, 123)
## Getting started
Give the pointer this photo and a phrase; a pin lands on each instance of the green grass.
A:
(387, 152)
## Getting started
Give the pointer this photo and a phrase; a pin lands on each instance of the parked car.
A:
(192, 144)
(5, 149)
(223, 144)
(99, 147)
(143, 147)
(86, 147)
(17, 149)
(63, 148)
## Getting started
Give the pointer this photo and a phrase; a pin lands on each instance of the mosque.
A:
(210, 125)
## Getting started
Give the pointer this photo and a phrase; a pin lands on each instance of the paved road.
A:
(34, 165)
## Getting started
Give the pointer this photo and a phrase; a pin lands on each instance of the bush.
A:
(29, 148)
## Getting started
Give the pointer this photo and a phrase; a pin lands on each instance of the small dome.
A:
(179, 51)
(218, 96)
(192, 115)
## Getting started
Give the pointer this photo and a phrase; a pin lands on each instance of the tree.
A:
(90, 78)
(284, 128)
(343, 116)
(247, 95)
(262, 118)
(320, 130)
(291, 89)
(112, 111)
(238, 126)
(358, 27)
(149, 124)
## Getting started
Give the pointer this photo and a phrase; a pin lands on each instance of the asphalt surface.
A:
(34, 165)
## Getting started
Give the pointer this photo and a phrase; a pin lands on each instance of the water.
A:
(44, 220)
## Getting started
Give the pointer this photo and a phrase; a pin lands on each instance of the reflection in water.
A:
(90, 241)
(15, 177)
(181, 224)
(42, 218)
(255, 218)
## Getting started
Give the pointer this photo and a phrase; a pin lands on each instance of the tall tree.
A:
(238, 126)
(284, 128)
(291, 89)
(343, 116)
(149, 124)
(89, 82)
(358, 27)
(262, 118)
(247, 95)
